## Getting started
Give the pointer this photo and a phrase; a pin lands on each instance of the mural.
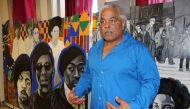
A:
(156, 26)
(22, 80)
(43, 61)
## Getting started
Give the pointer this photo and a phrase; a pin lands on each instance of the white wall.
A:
(58, 8)
(43, 9)
(100, 4)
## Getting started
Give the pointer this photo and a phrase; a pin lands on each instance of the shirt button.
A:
(99, 98)
(100, 85)
(102, 72)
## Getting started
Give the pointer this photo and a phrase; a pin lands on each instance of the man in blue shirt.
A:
(120, 72)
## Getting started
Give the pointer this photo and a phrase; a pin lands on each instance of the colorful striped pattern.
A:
(43, 30)
(94, 22)
(81, 40)
(23, 32)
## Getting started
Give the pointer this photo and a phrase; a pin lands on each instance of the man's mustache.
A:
(24, 93)
(107, 31)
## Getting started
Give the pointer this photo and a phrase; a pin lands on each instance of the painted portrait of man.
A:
(71, 66)
(172, 94)
(43, 70)
(22, 80)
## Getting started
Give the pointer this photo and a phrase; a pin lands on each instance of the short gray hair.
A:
(118, 8)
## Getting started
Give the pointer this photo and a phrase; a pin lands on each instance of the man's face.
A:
(24, 86)
(44, 71)
(163, 101)
(73, 71)
(143, 27)
(168, 23)
(128, 22)
(152, 21)
(137, 27)
(111, 25)
(55, 33)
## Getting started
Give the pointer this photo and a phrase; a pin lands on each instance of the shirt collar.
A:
(126, 37)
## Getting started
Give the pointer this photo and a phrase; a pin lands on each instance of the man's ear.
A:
(124, 24)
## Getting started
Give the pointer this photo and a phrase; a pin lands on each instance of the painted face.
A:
(143, 27)
(29, 30)
(24, 86)
(36, 35)
(44, 72)
(74, 71)
(128, 22)
(55, 33)
(152, 21)
(163, 101)
(138, 28)
(111, 25)
(168, 23)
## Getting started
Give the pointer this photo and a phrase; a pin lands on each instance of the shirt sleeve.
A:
(84, 84)
(150, 79)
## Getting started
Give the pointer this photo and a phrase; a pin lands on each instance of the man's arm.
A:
(84, 84)
(149, 77)
(76, 96)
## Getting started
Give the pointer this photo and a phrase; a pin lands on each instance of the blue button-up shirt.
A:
(128, 71)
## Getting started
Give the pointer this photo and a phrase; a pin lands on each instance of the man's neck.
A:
(112, 44)
(43, 95)
(109, 45)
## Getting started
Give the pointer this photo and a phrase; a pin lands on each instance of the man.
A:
(151, 31)
(185, 49)
(120, 71)
(71, 66)
(43, 70)
(129, 27)
(22, 80)
(145, 35)
(168, 49)
(159, 40)
(138, 33)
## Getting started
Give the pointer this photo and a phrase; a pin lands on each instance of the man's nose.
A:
(107, 24)
(76, 74)
(43, 71)
(23, 84)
